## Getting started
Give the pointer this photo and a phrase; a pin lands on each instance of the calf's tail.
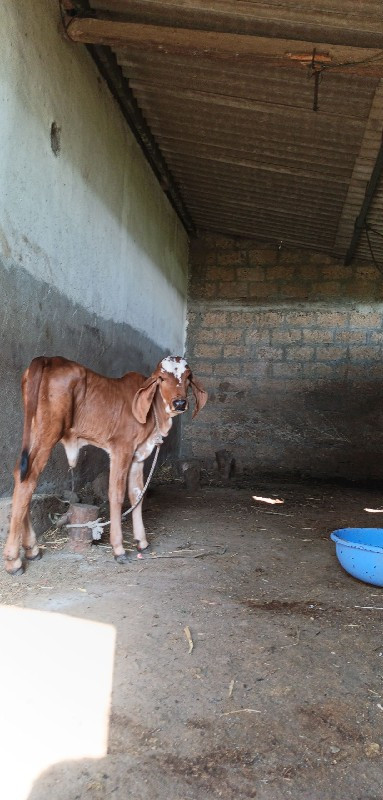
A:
(31, 386)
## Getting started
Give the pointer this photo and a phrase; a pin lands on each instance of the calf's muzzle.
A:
(179, 404)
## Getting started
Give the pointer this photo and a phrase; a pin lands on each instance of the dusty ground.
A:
(282, 695)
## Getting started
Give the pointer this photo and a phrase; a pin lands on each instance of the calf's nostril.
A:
(179, 404)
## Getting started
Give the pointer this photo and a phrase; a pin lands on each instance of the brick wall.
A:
(289, 346)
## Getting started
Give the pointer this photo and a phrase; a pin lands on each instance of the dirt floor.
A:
(282, 694)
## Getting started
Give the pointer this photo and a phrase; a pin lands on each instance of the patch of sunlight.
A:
(271, 500)
(56, 677)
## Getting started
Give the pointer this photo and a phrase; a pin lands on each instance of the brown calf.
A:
(68, 403)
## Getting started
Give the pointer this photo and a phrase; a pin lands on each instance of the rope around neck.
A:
(97, 526)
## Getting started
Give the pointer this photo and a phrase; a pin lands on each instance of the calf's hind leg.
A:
(31, 548)
(20, 526)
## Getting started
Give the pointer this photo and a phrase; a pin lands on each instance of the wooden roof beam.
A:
(230, 46)
(360, 25)
(361, 219)
(363, 168)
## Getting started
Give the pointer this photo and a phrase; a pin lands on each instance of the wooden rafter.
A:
(235, 47)
(363, 169)
(308, 21)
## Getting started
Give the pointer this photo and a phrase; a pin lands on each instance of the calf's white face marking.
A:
(175, 367)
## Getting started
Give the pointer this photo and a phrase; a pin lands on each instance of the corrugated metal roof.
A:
(268, 116)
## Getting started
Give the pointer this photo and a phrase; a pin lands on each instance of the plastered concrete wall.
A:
(93, 259)
(290, 347)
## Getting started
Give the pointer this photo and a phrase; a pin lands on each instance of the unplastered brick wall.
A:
(289, 346)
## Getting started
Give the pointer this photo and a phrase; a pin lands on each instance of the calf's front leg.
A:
(119, 467)
(135, 487)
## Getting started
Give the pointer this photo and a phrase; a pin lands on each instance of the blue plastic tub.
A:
(360, 552)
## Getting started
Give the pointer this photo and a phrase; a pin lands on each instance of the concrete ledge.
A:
(42, 505)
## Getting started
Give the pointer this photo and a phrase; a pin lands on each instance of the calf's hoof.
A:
(123, 558)
(15, 571)
(142, 552)
(34, 558)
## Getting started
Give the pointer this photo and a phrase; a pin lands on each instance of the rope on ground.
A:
(220, 552)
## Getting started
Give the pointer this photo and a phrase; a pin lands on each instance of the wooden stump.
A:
(225, 463)
(80, 539)
(192, 476)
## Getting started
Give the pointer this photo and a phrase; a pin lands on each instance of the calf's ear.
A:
(200, 395)
(143, 399)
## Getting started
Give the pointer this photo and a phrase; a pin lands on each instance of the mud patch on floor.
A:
(129, 736)
(334, 717)
(212, 769)
(199, 724)
(307, 609)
